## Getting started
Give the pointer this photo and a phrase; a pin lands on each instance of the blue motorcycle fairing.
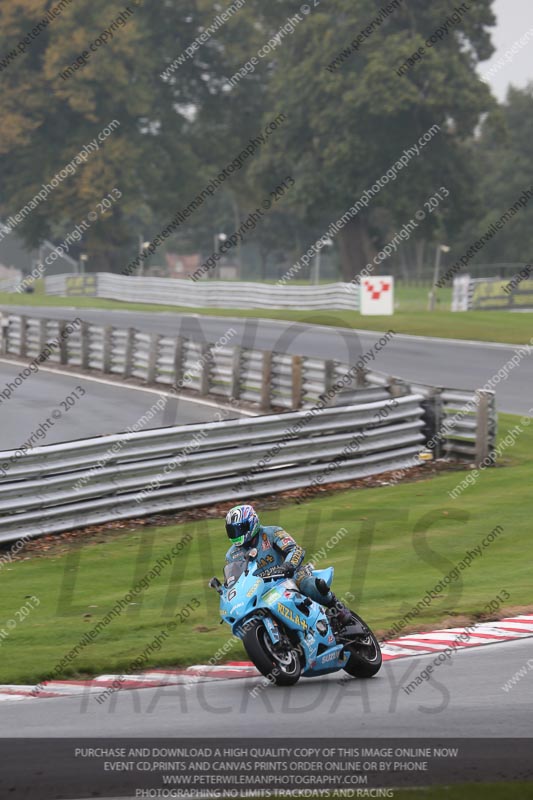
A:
(249, 597)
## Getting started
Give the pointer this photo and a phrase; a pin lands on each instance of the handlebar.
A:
(214, 583)
(274, 576)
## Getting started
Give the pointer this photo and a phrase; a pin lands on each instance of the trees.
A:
(504, 153)
(350, 116)
(350, 124)
(48, 118)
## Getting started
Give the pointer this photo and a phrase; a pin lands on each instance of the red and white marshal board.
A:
(377, 295)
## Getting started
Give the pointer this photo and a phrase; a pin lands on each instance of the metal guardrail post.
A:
(266, 381)
(63, 342)
(493, 425)
(23, 344)
(483, 438)
(398, 388)
(206, 359)
(42, 326)
(297, 382)
(129, 352)
(329, 375)
(434, 417)
(85, 341)
(360, 378)
(236, 373)
(179, 355)
(153, 355)
(106, 348)
(4, 334)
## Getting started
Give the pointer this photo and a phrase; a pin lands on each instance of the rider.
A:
(278, 552)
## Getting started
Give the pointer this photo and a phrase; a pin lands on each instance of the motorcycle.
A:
(285, 633)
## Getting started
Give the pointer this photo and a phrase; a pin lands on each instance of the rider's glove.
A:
(288, 569)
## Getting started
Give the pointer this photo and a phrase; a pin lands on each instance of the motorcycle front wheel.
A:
(282, 668)
(365, 654)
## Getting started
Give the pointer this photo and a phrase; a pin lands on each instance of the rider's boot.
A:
(334, 608)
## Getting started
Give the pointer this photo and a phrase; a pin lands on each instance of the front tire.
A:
(365, 654)
(281, 668)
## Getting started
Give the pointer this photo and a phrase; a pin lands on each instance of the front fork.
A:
(271, 627)
(270, 624)
(272, 630)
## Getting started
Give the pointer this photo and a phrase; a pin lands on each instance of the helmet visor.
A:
(237, 531)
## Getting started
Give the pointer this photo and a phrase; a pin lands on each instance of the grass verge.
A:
(411, 316)
(399, 541)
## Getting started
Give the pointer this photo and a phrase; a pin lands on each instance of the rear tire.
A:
(365, 654)
(281, 670)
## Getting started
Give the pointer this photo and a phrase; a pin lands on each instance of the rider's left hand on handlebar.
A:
(287, 569)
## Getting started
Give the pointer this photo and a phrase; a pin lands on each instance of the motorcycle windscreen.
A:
(233, 571)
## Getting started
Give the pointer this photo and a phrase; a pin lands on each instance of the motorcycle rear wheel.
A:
(365, 654)
(280, 669)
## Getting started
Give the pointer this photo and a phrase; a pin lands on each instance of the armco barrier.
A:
(206, 294)
(9, 285)
(221, 369)
(458, 424)
(62, 487)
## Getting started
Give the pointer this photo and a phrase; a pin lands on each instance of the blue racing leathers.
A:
(274, 548)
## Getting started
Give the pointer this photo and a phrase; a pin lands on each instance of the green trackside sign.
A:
(79, 285)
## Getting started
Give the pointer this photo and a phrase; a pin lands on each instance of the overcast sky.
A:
(515, 19)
